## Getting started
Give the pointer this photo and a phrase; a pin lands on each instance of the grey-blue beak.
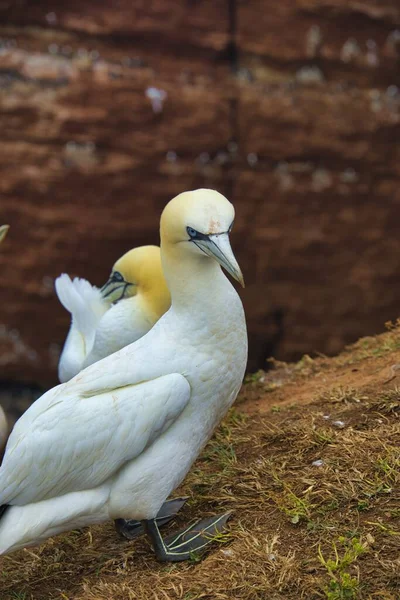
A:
(218, 246)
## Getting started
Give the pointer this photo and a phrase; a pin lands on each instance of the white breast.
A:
(214, 363)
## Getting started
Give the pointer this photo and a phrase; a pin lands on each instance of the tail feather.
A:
(84, 302)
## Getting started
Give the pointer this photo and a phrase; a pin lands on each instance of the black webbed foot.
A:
(183, 544)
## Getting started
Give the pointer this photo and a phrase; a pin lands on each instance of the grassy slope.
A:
(301, 529)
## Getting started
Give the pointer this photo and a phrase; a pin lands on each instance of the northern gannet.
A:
(117, 439)
(104, 321)
(3, 419)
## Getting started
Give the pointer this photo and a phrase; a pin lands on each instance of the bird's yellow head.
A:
(201, 221)
(139, 271)
(3, 231)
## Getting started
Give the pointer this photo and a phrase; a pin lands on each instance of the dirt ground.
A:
(308, 461)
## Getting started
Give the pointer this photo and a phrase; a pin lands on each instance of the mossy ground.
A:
(309, 462)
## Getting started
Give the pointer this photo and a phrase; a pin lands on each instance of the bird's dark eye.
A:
(192, 232)
(117, 276)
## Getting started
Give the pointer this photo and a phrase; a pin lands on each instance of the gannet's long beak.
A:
(114, 290)
(218, 246)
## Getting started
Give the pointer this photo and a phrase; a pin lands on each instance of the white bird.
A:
(137, 288)
(3, 419)
(118, 438)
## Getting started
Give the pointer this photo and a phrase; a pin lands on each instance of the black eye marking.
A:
(196, 235)
(117, 276)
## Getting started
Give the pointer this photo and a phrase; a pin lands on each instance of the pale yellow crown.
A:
(205, 210)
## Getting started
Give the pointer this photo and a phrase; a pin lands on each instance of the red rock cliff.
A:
(291, 109)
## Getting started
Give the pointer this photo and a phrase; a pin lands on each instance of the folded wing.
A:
(68, 442)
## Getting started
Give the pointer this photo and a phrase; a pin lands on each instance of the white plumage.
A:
(87, 306)
(134, 415)
(118, 438)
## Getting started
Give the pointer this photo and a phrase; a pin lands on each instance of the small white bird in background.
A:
(117, 439)
(104, 321)
(3, 419)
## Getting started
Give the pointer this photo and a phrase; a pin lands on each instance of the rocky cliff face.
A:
(291, 109)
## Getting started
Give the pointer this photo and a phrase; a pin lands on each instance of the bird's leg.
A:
(182, 545)
(132, 529)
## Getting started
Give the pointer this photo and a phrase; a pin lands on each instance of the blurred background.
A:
(109, 108)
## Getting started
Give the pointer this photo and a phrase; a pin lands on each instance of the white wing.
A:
(86, 306)
(66, 442)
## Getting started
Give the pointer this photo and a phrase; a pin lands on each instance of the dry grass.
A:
(314, 487)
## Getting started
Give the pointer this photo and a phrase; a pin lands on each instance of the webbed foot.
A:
(131, 529)
(182, 545)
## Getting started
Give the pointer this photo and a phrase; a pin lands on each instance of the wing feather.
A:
(70, 443)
